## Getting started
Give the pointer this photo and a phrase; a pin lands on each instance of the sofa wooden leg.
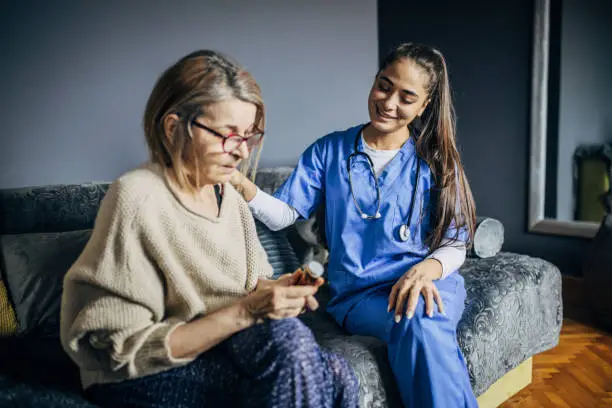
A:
(504, 388)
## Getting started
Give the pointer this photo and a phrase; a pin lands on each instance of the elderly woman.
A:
(170, 304)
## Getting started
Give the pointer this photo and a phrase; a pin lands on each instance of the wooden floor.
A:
(576, 373)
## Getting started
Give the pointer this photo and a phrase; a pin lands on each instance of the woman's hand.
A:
(418, 280)
(279, 299)
(299, 277)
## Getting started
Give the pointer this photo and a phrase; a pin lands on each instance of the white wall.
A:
(75, 75)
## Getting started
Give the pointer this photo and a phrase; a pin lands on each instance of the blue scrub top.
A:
(364, 255)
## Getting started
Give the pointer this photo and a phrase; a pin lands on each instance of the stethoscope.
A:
(404, 229)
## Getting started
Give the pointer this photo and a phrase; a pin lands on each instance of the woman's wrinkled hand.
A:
(279, 298)
(418, 280)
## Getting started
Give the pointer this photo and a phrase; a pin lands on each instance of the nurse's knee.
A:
(423, 325)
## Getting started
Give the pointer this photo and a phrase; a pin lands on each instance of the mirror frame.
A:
(539, 113)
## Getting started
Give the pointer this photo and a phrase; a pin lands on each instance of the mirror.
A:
(571, 117)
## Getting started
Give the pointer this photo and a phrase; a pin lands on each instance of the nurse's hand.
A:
(243, 185)
(418, 280)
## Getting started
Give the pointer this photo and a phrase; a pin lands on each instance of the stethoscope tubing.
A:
(404, 230)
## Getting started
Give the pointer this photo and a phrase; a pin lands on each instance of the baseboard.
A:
(504, 388)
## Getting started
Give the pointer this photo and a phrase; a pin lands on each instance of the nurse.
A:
(399, 214)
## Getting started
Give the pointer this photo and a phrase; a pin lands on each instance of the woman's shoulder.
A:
(235, 199)
(137, 186)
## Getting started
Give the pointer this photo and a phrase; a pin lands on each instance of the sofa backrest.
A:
(53, 208)
(42, 232)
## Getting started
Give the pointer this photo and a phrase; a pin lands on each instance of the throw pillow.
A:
(8, 321)
(34, 266)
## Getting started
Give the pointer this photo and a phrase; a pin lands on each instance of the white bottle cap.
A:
(316, 269)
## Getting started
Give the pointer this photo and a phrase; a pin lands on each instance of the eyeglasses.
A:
(233, 141)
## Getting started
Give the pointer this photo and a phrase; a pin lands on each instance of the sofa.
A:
(513, 308)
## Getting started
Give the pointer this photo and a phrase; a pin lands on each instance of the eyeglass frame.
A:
(225, 138)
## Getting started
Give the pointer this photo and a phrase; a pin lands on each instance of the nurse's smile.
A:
(380, 113)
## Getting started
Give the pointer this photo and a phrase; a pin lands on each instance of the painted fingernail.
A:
(388, 308)
(409, 316)
(398, 318)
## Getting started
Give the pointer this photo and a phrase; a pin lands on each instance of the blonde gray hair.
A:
(185, 89)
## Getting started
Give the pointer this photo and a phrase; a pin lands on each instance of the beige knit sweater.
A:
(149, 266)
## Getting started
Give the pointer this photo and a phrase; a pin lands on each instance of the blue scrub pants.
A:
(426, 360)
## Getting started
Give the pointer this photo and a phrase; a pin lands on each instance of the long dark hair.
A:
(454, 203)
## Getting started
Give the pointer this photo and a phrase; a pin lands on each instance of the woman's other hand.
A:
(298, 277)
(279, 299)
(418, 280)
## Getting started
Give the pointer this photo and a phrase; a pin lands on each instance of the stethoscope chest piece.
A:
(404, 232)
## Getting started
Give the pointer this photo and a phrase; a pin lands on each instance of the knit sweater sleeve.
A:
(113, 319)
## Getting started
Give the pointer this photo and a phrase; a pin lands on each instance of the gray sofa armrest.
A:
(488, 238)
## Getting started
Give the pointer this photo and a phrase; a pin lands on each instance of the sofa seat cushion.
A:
(366, 355)
(513, 310)
(36, 372)
(22, 394)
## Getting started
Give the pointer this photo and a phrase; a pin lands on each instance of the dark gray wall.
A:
(585, 110)
(75, 75)
(488, 48)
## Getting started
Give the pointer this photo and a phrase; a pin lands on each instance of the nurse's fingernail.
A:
(388, 308)
(398, 318)
(409, 315)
